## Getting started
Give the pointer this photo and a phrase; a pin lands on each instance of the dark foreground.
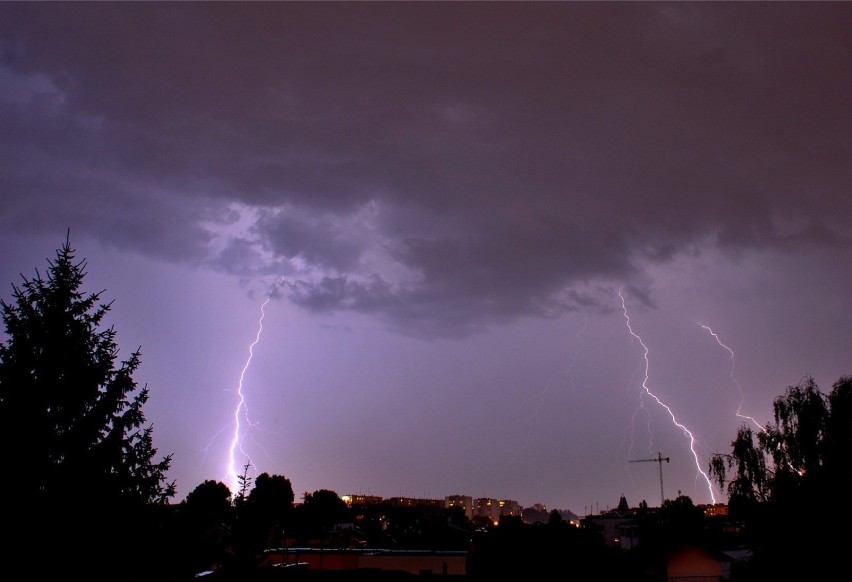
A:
(311, 575)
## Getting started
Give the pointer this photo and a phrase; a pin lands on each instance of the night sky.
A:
(474, 223)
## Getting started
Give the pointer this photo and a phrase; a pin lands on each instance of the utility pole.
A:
(658, 459)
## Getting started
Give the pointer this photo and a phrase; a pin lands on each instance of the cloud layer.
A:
(443, 166)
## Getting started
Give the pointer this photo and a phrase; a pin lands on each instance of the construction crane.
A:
(658, 459)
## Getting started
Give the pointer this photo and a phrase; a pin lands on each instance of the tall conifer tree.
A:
(80, 457)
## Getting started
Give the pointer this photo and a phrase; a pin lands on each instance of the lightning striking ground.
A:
(242, 411)
(734, 380)
(647, 391)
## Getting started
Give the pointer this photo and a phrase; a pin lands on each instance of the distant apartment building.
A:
(510, 508)
(361, 500)
(414, 502)
(465, 502)
(488, 508)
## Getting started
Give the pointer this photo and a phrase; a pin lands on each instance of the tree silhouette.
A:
(261, 515)
(209, 503)
(318, 512)
(207, 513)
(72, 421)
(804, 452)
(791, 481)
(271, 506)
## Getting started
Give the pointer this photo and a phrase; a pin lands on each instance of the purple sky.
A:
(444, 200)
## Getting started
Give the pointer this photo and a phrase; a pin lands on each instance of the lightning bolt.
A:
(242, 410)
(647, 391)
(734, 380)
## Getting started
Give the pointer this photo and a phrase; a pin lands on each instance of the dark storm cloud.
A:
(516, 153)
(318, 242)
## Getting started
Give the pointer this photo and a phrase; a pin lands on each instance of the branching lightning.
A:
(241, 411)
(734, 380)
(647, 391)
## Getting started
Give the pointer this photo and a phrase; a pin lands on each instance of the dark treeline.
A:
(85, 493)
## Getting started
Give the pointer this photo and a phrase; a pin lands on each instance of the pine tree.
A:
(71, 414)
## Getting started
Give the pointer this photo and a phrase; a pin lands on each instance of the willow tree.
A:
(801, 456)
(790, 482)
